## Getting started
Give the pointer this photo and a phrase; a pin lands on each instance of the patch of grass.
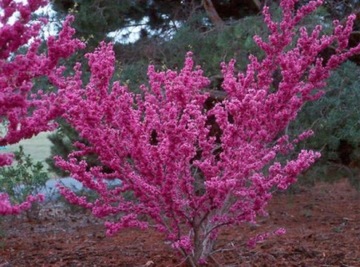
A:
(38, 147)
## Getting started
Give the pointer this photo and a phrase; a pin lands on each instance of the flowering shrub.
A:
(24, 112)
(188, 182)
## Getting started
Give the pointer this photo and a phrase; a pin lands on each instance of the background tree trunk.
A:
(212, 13)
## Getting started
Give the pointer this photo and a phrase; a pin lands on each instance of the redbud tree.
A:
(189, 183)
(24, 111)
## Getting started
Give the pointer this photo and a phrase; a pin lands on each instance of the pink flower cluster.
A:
(6, 208)
(24, 111)
(187, 182)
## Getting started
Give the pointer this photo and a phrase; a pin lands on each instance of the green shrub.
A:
(23, 178)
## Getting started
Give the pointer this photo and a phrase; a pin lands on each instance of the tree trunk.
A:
(203, 245)
(257, 4)
(212, 13)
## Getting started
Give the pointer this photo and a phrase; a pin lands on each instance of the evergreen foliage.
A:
(335, 119)
(62, 145)
(157, 18)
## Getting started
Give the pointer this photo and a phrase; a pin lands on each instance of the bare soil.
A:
(322, 223)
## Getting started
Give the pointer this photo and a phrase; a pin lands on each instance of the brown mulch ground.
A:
(323, 229)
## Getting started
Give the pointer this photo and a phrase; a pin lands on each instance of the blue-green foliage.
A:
(335, 119)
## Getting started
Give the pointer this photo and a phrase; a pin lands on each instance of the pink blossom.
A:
(25, 110)
(6, 208)
(184, 243)
(187, 182)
